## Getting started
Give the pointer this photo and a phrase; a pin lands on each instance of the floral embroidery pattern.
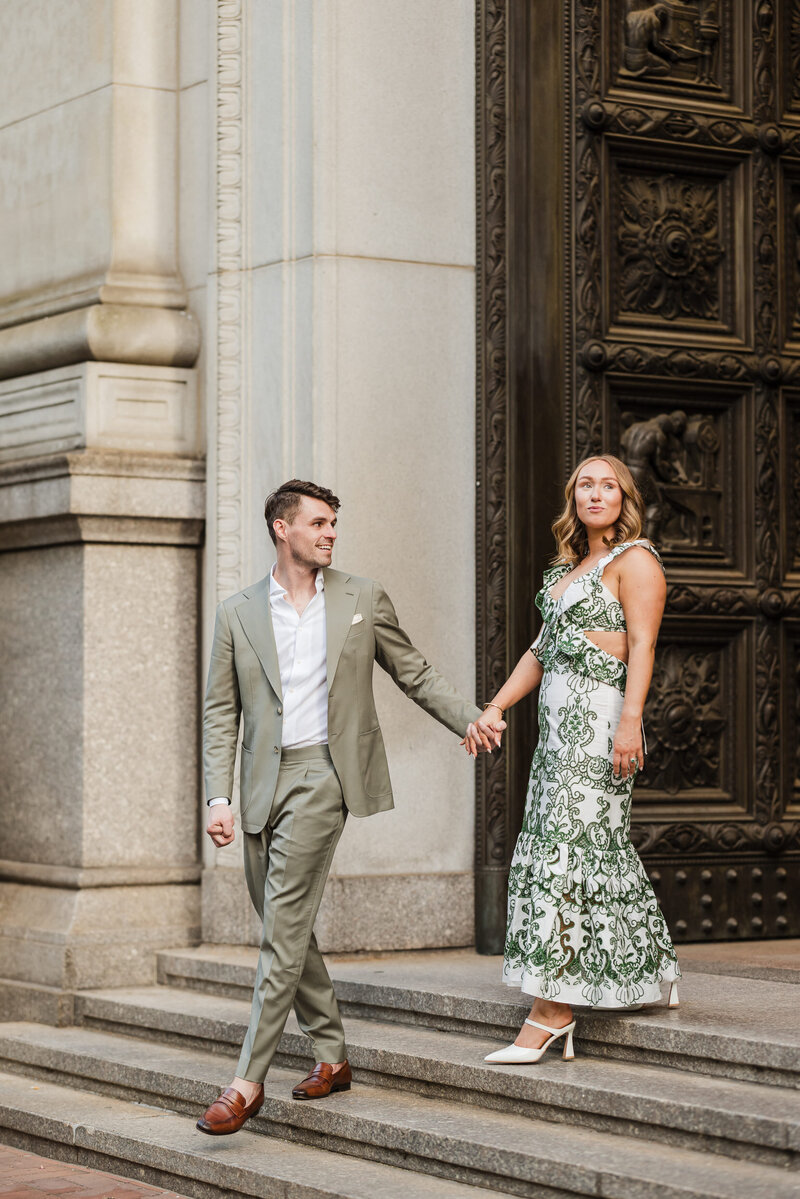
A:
(584, 925)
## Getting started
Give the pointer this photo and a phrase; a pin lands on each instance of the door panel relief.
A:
(680, 373)
(680, 225)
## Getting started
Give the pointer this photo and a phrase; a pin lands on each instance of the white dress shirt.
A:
(301, 643)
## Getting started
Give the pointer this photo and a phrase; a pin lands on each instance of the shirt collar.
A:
(276, 590)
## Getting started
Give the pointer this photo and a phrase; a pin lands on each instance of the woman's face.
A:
(598, 495)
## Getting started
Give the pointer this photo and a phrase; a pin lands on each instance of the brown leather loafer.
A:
(229, 1112)
(322, 1082)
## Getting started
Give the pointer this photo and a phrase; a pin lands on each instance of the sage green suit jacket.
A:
(244, 682)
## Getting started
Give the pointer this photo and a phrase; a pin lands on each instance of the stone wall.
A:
(238, 244)
(344, 344)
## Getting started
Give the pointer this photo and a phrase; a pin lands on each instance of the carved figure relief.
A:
(668, 245)
(676, 39)
(675, 461)
(685, 721)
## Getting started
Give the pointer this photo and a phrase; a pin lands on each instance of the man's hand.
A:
(483, 736)
(220, 824)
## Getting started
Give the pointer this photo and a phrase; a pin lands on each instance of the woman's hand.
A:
(484, 735)
(628, 750)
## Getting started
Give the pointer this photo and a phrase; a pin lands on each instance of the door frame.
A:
(522, 418)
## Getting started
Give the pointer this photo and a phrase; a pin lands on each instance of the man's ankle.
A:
(245, 1087)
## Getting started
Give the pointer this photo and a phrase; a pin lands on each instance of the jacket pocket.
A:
(372, 763)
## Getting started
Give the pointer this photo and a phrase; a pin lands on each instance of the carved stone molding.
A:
(790, 66)
(641, 359)
(764, 60)
(790, 213)
(791, 467)
(683, 600)
(229, 293)
(671, 125)
(792, 716)
(722, 837)
(768, 800)
(99, 405)
(492, 831)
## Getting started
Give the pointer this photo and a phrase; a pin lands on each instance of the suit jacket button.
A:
(275, 749)
(280, 711)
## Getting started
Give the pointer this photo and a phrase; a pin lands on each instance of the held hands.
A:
(220, 825)
(484, 735)
(628, 753)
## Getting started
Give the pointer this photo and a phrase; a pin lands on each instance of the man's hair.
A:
(282, 504)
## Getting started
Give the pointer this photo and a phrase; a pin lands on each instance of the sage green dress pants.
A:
(286, 866)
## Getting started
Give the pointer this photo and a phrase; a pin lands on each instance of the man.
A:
(293, 655)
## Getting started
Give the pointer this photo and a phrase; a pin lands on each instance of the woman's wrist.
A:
(495, 706)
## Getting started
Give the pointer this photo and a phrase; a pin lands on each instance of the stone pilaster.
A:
(102, 507)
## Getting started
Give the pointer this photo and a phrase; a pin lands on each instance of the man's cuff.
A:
(219, 799)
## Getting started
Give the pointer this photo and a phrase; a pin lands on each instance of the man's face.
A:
(309, 537)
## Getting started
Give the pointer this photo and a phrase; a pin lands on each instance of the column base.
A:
(358, 913)
(54, 940)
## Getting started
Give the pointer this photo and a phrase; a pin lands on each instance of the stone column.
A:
(101, 507)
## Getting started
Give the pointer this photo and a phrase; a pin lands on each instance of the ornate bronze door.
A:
(649, 160)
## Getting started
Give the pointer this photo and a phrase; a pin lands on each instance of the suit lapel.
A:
(341, 596)
(255, 617)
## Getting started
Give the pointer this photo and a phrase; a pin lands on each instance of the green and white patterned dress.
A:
(584, 926)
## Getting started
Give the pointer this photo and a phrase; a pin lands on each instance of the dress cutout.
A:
(584, 925)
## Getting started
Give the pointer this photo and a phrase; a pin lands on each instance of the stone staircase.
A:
(700, 1102)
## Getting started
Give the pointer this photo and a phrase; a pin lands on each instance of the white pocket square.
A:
(357, 618)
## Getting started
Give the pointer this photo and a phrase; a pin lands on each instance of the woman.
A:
(584, 925)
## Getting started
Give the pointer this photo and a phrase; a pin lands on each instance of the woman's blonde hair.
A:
(572, 543)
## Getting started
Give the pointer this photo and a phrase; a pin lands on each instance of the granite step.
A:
(726, 1116)
(434, 1140)
(718, 1030)
(162, 1147)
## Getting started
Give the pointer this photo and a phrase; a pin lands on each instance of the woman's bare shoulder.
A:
(641, 562)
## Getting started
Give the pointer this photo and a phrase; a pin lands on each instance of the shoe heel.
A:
(673, 1000)
(569, 1052)
(343, 1086)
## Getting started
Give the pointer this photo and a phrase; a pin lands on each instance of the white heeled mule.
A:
(673, 1000)
(519, 1054)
